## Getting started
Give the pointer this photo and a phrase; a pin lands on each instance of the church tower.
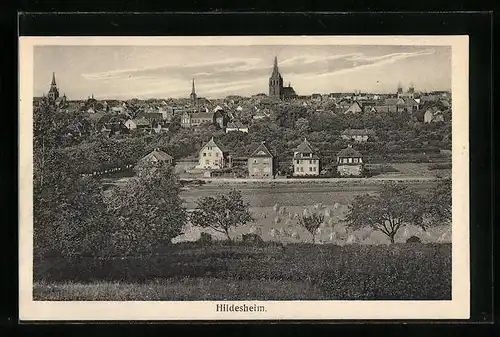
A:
(193, 93)
(276, 82)
(53, 93)
(400, 90)
(411, 91)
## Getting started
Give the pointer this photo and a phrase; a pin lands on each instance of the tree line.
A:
(74, 215)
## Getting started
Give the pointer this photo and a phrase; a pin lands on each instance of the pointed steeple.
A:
(53, 93)
(193, 92)
(275, 67)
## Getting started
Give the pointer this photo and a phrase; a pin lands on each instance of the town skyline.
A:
(121, 72)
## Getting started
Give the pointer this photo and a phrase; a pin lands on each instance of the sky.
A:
(124, 72)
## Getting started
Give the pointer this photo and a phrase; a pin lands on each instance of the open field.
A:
(276, 207)
(222, 270)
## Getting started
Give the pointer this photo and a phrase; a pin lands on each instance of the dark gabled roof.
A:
(213, 143)
(261, 151)
(304, 147)
(158, 155)
(349, 152)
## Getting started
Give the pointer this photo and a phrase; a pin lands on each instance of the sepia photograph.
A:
(244, 177)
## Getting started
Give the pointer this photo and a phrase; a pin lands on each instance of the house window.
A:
(301, 169)
(216, 154)
(310, 168)
(255, 161)
(350, 160)
(314, 168)
(310, 161)
(360, 160)
(204, 154)
(355, 160)
(298, 162)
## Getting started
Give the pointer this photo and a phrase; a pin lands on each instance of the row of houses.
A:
(402, 104)
(262, 163)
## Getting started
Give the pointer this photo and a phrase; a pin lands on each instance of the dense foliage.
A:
(222, 212)
(394, 207)
(147, 211)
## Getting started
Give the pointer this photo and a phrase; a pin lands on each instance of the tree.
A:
(148, 210)
(439, 205)
(311, 223)
(394, 207)
(302, 125)
(69, 216)
(222, 212)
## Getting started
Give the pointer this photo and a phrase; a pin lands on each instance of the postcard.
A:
(243, 178)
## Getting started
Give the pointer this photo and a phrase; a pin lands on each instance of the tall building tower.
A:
(276, 82)
(400, 90)
(411, 91)
(53, 93)
(193, 93)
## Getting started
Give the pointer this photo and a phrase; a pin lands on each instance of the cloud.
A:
(182, 70)
(357, 62)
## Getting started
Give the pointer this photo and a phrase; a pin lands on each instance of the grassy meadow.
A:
(224, 270)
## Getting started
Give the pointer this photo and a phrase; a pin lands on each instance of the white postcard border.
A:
(456, 308)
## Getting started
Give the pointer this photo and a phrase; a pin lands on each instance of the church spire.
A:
(53, 80)
(193, 93)
(275, 68)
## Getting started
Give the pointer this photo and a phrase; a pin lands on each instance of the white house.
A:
(349, 162)
(305, 160)
(214, 155)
